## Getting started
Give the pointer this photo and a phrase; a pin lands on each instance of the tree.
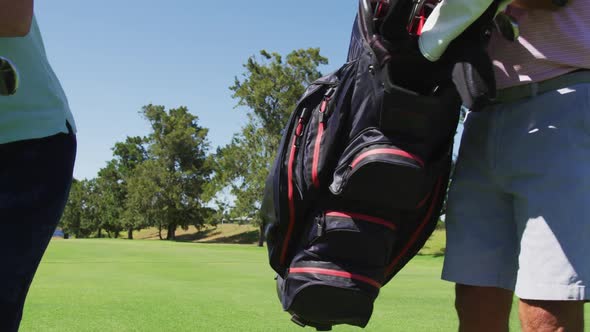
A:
(147, 201)
(165, 190)
(108, 199)
(92, 217)
(127, 156)
(243, 166)
(79, 216)
(269, 90)
(72, 215)
(110, 188)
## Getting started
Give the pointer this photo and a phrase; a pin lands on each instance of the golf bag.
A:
(361, 174)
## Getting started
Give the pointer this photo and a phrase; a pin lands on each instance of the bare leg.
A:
(483, 309)
(551, 316)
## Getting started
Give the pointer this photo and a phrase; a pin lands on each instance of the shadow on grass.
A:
(241, 238)
(193, 237)
(439, 253)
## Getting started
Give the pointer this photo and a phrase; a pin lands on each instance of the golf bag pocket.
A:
(425, 119)
(323, 295)
(337, 273)
(351, 239)
(381, 172)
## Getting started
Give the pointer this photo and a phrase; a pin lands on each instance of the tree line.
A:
(169, 178)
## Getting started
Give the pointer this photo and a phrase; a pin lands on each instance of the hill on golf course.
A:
(224, 233)
(248, 234)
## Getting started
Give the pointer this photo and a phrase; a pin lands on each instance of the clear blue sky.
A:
(114, 56)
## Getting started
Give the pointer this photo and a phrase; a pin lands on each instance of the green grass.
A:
(223, 233)
(122, 285)
(435, 245)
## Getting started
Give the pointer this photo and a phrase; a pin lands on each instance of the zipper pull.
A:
(321, 226)
(301, 123)
(330, 92)
(324, 105)
(325, 101)
(300, 126)
(303, 117)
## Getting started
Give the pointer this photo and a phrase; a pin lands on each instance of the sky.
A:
(113, 57)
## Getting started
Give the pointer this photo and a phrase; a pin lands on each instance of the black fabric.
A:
(473, 72)
(349, 150)
(35, 178)
(362, 169)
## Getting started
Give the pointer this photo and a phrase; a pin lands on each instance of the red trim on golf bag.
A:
(396, 152)
(318, 139)
(422, 202)
(286, 185)
(419, 230)
(371, 219)
(335, 273)
(290, 196)
(316, 155)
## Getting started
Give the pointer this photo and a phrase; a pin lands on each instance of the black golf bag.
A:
(361, 172)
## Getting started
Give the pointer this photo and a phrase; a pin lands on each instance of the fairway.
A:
(122, 285)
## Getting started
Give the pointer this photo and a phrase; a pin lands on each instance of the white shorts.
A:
(519, 207)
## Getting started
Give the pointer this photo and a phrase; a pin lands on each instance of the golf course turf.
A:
(150, 285)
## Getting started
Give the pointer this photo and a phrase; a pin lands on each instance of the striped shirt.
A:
(551, 43)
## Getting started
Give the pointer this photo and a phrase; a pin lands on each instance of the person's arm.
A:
(15, 17)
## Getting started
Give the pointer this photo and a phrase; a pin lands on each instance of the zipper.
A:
(319, 136)
(363, 145)
(347, 173)
(370, 219)
(321, 226)
(303, 118)
(387, 151)
(350, 170)
(315, 86)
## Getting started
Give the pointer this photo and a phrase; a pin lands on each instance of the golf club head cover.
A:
(473, 72)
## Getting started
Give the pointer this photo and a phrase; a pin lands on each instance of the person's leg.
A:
(547, 156)
(483, 309)
(550, 316)
(35, 178)
(482, 246)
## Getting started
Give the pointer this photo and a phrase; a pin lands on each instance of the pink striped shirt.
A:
(551, 43)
